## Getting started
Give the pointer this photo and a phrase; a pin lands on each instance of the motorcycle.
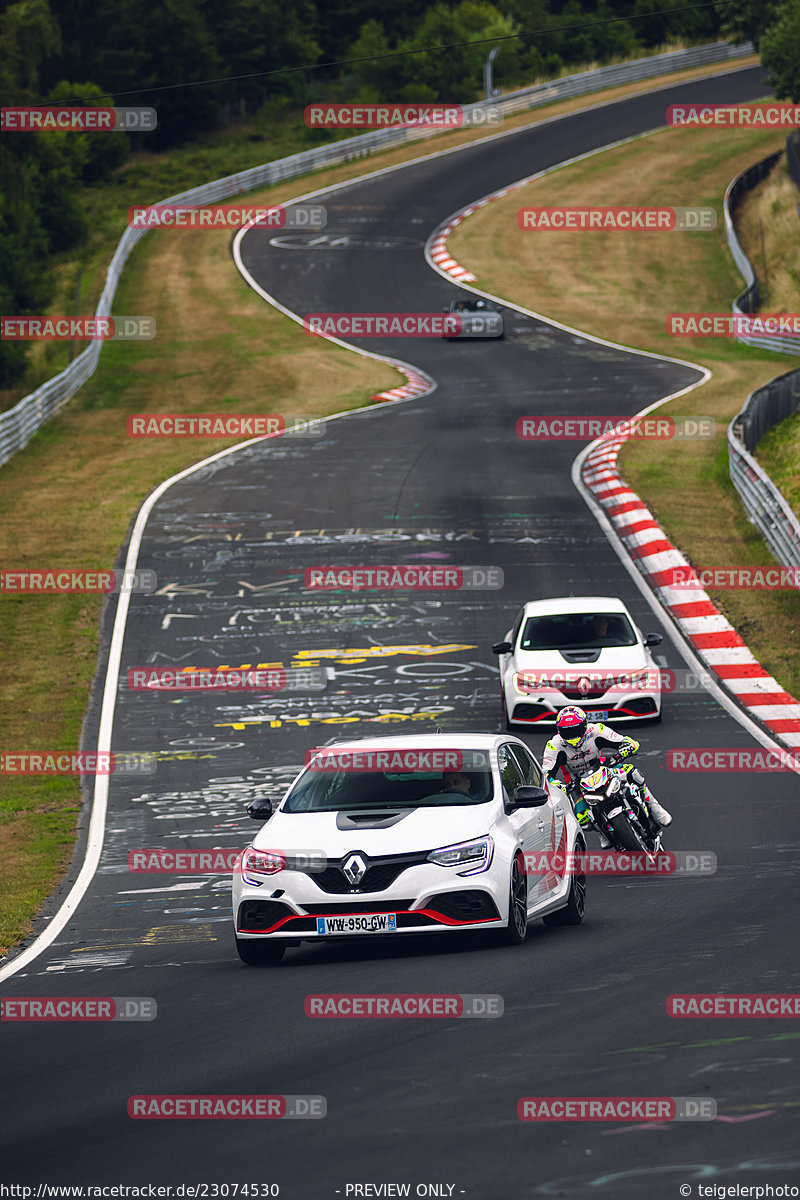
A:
(615, 799)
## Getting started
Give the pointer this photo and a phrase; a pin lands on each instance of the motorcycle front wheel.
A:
(625, 835)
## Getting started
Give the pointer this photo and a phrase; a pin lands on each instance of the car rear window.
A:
(577, 631)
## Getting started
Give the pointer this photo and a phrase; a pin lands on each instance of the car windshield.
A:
(471, 306)
(335, 790)
(577, 631)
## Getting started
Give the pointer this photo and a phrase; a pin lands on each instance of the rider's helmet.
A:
(571, 725)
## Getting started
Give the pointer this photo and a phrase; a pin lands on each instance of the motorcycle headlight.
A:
(260, 862)
(613, 786)
(475, 856)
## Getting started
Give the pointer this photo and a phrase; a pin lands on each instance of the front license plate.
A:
(599, 715)
(365, 923)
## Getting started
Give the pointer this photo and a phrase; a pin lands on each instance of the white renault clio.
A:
(429, 833)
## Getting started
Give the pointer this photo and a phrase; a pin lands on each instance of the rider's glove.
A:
(626, 749)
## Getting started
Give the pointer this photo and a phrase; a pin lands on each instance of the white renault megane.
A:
(582, 650)
(419, 834)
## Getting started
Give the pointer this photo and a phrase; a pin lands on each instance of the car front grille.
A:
(380, 874)
(358, 906)
(592, 693)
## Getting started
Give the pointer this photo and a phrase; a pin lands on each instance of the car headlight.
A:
(642, 680)
(475, 856)
(525, 682)
(260, 862)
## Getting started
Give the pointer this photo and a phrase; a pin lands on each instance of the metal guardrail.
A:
(793, 157)
(19, 424)
(763, 502)
(747, 302)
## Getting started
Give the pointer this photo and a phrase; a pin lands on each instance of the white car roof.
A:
(425, 741)
(574, 604)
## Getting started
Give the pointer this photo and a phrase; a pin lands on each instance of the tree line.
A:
(192, 60)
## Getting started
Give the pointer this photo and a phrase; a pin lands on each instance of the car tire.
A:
(261, 953)
(506, 721)
(574, 910)
(516, 931)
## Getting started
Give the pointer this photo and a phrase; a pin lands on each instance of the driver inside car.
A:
(456, 781)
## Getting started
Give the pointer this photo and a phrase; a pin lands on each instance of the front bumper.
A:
(639, 706)
(425, 899)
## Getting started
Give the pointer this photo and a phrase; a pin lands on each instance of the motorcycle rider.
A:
(576, 744)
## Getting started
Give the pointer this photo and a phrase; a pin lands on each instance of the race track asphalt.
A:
(439, 480)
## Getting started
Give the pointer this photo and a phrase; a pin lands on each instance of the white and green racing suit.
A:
(560, 759)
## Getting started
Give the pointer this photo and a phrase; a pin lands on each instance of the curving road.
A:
(438, 480)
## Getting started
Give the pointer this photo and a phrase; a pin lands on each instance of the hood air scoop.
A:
(580, 656)
(378, 819)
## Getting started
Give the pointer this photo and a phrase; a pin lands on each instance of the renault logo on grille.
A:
(584, 685)
(354, 869)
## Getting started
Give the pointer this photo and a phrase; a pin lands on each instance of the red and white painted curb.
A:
(711, 635)
(436, 250)
(418, 385)
(440, 255)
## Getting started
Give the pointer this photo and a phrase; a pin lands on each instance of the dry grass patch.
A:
(770, 209)
(68, 498)
(620, 286)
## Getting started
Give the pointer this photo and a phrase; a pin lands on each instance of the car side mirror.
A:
(653, 639)
(530, 797)
(502, 648)
(260, 809)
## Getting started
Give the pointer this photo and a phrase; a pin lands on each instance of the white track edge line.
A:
(97, 819)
